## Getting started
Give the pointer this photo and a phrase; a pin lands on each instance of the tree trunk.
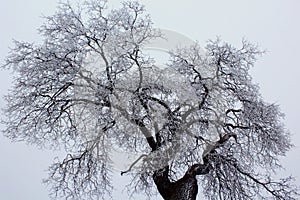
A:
(185, 188)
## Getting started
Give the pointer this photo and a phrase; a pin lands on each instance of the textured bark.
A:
(185, 188)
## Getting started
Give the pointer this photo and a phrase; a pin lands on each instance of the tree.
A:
(89, 87)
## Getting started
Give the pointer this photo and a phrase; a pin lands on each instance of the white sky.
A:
(272, 24)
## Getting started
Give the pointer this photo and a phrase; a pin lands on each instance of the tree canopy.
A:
(90, 87)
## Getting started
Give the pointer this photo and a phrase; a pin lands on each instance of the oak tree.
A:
(90, 87)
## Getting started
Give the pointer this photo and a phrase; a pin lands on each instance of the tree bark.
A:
(185, 188)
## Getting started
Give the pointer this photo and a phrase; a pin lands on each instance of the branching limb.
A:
(134, 163)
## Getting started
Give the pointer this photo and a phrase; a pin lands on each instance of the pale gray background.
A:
(272, 24)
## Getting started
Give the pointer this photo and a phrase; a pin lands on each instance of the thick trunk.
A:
(185, 188)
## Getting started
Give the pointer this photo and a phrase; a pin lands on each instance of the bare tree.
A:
(89, 86)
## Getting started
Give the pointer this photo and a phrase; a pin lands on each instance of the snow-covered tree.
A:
(89, 87)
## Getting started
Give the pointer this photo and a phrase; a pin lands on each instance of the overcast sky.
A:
(272, 24)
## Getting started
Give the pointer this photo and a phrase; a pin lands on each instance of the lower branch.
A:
(132, 165)
(279, 190)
